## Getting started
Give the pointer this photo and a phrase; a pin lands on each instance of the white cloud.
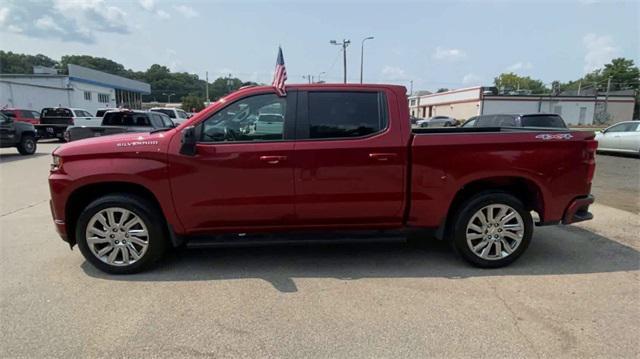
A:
(471, 79)
(148, 5)
(4, 14)
(186, 11)
(393, 73)
(520, 65)
(163, 14)
(442, 53)
(600, 50)
(46, 23)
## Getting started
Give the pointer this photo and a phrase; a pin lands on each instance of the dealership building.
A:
(575, 109)
(82, 88)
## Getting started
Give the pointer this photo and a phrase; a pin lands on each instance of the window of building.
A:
(346, 114)
(87, 96)
(413, 102)
(103, 98)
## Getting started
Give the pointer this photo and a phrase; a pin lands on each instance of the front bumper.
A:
(578, 210)
(60, 225)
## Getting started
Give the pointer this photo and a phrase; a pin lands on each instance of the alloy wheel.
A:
(495, 232)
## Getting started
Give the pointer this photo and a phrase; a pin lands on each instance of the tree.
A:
(192, 103)
(12, 63)
(508, 82)
(442, 90)
(96, 63)
(623, 73)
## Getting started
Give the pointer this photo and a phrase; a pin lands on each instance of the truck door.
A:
(349, 159)
(240, 177)
(7, 130)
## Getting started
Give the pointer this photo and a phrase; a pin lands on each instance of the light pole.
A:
(362, 55)
(320, 74)
(344, 45)
(168, 96)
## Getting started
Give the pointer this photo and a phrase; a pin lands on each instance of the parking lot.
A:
(575, 293)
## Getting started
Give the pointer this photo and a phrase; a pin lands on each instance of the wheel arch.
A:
(82, 196)
(524, 189)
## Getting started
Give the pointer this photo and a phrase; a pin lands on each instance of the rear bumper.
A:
(578, 210)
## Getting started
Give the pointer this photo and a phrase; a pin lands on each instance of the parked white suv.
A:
(177, 115)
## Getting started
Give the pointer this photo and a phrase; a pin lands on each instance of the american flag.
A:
(280, 75)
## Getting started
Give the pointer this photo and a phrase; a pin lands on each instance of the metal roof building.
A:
(82, 88)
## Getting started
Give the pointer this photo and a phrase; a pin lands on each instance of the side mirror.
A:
(188, 141)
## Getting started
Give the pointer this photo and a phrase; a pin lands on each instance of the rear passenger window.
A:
(346, 114)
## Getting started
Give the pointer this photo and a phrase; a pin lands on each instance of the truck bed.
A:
(552, 163)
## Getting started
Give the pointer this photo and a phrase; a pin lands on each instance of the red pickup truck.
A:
(323, 160)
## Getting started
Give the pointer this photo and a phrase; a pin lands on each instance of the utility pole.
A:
(411, 90)
(362, 55)
(344, 45)
(579, 87)
(606, 99)
(206, 87)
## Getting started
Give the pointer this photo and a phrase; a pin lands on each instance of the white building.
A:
(575, 110)
(82, 88)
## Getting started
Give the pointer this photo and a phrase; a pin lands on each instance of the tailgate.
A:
(78, 133)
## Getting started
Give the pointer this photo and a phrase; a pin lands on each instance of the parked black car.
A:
(120, 121)
(544, 120)
(20, 135)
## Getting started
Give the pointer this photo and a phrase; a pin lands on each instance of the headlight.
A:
(56, 165)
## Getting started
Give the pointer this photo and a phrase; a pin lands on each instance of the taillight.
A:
(590, 158)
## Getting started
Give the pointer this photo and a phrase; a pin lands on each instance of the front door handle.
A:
(272, 160)
(382, 156)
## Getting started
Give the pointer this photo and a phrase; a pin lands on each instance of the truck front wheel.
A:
(27, 145)
(492, 229)
(121, 234)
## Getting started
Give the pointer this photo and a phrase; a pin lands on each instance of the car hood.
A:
(118, 143)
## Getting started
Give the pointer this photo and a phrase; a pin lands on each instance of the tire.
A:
(27, 145)
(153, 224)
(504, 236)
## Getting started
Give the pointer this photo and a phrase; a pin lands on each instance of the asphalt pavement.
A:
(575, 293)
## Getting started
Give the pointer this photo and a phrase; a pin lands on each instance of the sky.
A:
(435, 44)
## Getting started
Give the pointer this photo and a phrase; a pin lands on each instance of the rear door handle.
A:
(382, 156)
(272, 160)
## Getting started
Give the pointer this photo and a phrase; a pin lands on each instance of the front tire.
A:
(492, 229)
(27, 145)
(121, 234)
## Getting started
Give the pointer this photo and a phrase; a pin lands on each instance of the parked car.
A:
(55, 120)
(623, 137)
(437, 121)
(543, 120)
(101, 111)
(345, 161)
(119, 121)
(177, 115)
(414, 120)
(20, 135)
(23, 115)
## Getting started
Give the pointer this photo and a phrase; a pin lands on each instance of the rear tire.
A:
(491, 229)
(110, 238)
(27, 145)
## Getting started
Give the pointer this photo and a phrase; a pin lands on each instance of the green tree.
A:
(508, 82)
(192, 103)
(442, 90)
(96, 63)
(12, 63)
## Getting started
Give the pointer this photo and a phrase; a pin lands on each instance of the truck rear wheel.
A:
(492, 229)
(121, 234)
(27, 145)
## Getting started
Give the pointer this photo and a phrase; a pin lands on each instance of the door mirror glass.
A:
(188, 141)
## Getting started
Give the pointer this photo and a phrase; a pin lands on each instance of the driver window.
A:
(255, 118)
(618, 128)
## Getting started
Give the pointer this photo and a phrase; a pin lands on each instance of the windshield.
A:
(551, 121)
(56, 112)
(167, 112)
(126, 119)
